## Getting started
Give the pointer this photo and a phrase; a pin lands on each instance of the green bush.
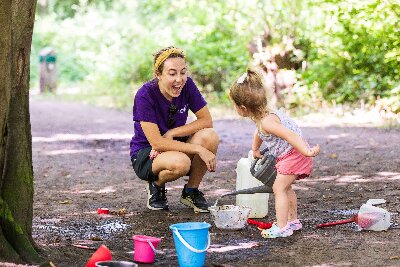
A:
(351, 48)
(356, 55)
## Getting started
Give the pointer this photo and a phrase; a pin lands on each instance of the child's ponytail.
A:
(249, 91)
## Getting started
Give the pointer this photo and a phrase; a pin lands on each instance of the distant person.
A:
(165, 148)
(284, 140)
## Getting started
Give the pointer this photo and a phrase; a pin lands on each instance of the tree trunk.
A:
(16, 173)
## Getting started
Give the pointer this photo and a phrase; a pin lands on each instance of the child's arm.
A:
(271, 124)
(255, 147)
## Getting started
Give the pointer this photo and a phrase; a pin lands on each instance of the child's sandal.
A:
(275, 232)
(295, 225)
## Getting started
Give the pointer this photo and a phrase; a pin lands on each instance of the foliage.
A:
(355, 55)
(351, 48)
(214, 35)
(101, 54)
(68, 8)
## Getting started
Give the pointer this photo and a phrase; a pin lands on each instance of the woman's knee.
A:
(177, 163)
(207, 138)
(181, 166)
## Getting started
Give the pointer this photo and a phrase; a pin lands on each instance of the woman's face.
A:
(173, 77)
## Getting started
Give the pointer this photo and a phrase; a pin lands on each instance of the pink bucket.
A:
(145, 248)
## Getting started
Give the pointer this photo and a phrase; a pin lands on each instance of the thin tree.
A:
(16, 173)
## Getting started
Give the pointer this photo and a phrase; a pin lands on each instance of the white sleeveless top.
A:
(276, 145)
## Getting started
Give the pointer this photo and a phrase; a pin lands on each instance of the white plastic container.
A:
(257, 202)
(373, 218)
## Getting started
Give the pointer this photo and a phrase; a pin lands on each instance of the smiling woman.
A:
(165, 148)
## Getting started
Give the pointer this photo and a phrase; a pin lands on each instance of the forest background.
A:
(342, 53)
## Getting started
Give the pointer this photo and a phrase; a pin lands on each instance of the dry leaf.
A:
(65, 173)
(122, 212)
(66, 201)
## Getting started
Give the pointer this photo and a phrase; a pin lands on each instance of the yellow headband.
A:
(164, 55)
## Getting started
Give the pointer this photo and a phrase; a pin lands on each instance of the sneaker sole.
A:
(191, 205)
(152, 208)
(148, 204)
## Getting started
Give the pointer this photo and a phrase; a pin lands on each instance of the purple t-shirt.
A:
(150, 105)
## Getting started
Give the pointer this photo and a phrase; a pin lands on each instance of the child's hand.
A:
(312, 152)
(257, 154)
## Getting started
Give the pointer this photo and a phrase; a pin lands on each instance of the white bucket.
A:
(373, 218)
(230, 217)
(257, 202)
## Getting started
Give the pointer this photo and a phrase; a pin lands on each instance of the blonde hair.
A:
(249, 91)
(164, 54)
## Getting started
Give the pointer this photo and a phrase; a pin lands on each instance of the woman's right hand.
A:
(154, 154)
(209, 159)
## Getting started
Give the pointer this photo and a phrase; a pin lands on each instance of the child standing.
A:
(284, 140)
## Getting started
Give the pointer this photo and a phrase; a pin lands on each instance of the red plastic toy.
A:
(261, 225)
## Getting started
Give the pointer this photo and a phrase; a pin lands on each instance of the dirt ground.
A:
(81, 163)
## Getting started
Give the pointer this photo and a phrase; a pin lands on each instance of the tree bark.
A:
(16, 172)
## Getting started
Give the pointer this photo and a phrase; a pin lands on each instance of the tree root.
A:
(15, 244)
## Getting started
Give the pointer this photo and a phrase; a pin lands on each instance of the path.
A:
(81, 163)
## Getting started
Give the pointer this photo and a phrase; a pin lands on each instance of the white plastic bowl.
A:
(230, 217)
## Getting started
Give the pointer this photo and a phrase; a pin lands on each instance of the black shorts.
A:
(142, 165)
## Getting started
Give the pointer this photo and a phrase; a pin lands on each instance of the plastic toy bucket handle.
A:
(189, 246)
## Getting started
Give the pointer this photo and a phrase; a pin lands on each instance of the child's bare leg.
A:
(281, 190)
(292, 215)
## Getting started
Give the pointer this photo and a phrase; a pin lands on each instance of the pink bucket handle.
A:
(189, 246)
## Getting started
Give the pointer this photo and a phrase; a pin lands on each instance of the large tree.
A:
(16, 173)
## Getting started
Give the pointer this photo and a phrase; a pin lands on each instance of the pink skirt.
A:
(294, 163)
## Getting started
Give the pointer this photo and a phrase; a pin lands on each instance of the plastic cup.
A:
(101, 254)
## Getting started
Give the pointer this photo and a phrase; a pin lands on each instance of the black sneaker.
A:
(156, 198)
(194, 199)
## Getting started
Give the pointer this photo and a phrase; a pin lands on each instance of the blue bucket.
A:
(192, 240)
